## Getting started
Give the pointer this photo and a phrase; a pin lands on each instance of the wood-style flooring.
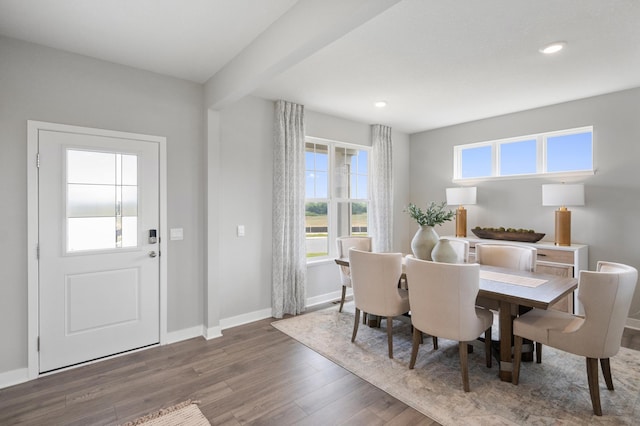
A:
(254, 374)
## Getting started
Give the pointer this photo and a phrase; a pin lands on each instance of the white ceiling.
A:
(436, 63)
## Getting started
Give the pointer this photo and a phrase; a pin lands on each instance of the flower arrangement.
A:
(435, 214)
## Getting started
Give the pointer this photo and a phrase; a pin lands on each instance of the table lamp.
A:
(460, 196)
(563, 195)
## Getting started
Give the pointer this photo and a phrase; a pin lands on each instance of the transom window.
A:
(562, 152)
(337, 194)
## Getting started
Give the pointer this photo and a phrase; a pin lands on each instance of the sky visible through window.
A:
(565, 153)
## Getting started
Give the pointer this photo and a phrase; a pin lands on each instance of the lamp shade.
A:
(563, 195)
(460, 196)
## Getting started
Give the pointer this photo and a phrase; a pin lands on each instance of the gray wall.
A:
(245, 186)
(607, 223)
(39, 83)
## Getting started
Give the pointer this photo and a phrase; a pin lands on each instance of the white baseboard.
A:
(327, 297)
(184, 334)
(14, 377)
(211, 332)
(245, 318)
(633, 323)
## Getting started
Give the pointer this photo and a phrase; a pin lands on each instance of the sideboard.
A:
(552, 259)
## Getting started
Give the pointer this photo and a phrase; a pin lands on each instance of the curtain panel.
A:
(289, 263)
(381, 209)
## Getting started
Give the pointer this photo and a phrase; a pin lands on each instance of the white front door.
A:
(98, 211)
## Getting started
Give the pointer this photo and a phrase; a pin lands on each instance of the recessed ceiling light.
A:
(380, 104)
(553, 47)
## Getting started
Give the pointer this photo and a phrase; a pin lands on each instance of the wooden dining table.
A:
(513, 289)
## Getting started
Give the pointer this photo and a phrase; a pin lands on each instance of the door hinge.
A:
(38, 160)
(38, 251)
(38, 343)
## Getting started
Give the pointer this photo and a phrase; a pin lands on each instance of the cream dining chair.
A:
(442, 298)
(510, 256)
(461, 248)
(606, 296)
(344, 244)
(374, 278)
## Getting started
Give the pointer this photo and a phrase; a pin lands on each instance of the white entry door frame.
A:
(33, 231)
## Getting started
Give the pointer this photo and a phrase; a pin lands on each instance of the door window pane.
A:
(91, 233)
(102, 200)
(517, 158)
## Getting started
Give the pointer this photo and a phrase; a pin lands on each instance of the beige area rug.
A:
(552, 393)
(186, 414)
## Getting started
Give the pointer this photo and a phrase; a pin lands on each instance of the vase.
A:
(444, 252)
(423, 242)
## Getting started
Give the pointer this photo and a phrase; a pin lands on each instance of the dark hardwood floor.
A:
(254, 374)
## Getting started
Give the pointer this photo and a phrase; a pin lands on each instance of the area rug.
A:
(186, 414)
(552, 393)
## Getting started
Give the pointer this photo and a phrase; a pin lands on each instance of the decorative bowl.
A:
(525, 237)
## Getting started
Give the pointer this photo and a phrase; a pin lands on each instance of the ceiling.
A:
(436, 63)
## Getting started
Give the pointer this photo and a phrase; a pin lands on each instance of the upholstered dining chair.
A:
(521, 258)
(511, 256)
(461, 247)
(606, 296)
(374, 278)
(344, 244)
(442, 297)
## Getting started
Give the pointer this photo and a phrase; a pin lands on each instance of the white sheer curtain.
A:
(288, 292)
(381, 208)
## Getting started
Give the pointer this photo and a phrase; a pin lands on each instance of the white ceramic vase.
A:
(423, 242)
(444, 252)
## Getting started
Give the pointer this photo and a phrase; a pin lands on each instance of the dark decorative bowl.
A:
(524, 237)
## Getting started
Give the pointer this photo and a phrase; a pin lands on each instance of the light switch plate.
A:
(240, 230)
(176, 234)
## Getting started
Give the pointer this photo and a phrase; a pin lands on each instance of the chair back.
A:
(606, 296)
(344, 244)
(442, 298)
(461, 247)
(521, 258)
(374, 278)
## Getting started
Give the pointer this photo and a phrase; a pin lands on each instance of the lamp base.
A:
(461, 222)
(563, 227)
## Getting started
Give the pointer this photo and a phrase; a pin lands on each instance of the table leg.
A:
(506, 332)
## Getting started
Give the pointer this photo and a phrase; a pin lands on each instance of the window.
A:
(102, 200)
(562, 152)
(337, 194)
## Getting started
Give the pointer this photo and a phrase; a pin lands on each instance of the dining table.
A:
(514, 290)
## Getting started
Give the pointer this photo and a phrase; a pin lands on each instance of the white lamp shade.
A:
(563, 195)
(460, 196)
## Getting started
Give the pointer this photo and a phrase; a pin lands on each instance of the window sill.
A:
(528, 176)
(320, 262)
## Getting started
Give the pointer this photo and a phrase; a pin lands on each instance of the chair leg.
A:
(344, 293)
(417, 337)
(435, 342)
(594, 389)
(464, 365)
(356, 322)
(517, 356)
(364, 318)
(390, 335)
(606, 372)
(487, 346)
(538, 353)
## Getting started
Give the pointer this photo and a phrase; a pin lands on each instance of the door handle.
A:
(152, 254)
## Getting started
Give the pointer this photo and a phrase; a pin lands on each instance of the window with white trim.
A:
(561, 152)
(336, 194)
